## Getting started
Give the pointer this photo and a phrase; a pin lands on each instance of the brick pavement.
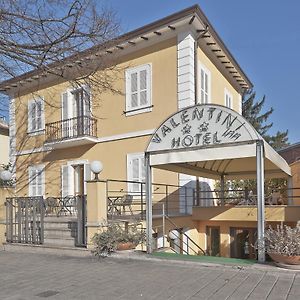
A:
(44, 276)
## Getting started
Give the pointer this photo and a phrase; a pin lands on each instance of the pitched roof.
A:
(142, 34)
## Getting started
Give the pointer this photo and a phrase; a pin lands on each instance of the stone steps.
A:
(60, 231)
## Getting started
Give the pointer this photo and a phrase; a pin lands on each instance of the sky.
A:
(263, 36)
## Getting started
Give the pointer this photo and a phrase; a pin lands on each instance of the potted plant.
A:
(116, 237)
(283, 244)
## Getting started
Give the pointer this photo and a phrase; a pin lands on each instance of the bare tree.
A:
(39, 34)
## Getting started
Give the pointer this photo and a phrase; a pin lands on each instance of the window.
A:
(204, 86)
(36, 180)
(76, 103)
(138, 90)
(135, 171)
(228, 99)
(36, 119)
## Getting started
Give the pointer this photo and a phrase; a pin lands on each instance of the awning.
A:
(209, 140)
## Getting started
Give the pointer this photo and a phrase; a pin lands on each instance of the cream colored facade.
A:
(4, 143)
(181, 53)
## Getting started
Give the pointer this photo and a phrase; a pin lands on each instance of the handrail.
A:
(199, 248)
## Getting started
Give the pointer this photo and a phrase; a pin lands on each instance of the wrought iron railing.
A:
(71, 128)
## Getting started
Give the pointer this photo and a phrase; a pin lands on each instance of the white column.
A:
(260, 201)
(148, 203)
(185, 69)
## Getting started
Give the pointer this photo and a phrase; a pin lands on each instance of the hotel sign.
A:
(201, 126)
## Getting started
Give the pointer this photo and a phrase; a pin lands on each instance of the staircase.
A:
(60, 231)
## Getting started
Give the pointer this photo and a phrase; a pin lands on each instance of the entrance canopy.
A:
(209, 140)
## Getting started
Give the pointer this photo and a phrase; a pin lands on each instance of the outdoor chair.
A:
(274, 199)
(125, 201)
(50, 205)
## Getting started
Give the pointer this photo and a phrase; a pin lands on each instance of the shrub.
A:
(283, 240)
(111, 235)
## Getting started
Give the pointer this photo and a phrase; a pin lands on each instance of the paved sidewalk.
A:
(42, 276)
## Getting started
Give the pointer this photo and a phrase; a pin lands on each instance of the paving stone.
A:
(56, 277)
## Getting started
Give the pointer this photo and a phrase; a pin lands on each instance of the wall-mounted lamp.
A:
(5, 175)
(96, 167)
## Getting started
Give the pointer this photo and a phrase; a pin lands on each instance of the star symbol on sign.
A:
(203, 127)
(186, 129)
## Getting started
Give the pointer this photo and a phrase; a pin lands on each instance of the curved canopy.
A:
(211, 140)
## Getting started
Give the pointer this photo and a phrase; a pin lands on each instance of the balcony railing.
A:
(82, 126)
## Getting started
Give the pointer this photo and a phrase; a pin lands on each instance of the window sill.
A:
(34, 133)
(137, 111)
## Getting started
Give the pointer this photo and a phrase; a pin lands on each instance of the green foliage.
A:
(108, 239)
(252, 111)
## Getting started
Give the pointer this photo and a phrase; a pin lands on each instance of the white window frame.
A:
(130, 157)
(203, 68)
(41, 129)
(70, 99)
(228, 96)
(39, 171)
(140, 108)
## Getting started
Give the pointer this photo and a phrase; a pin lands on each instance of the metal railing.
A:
(127, 199)
(246, 197)
(25, 220)
(71, 128)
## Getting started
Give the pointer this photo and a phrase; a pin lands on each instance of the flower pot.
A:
(125, 246)
(285, 259)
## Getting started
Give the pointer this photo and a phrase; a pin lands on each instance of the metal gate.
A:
(81, 220)
(25, 220)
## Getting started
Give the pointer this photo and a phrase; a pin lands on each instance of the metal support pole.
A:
(290, 191)
(260, 201)
(148, 203)
(222, 190)
(164, 223)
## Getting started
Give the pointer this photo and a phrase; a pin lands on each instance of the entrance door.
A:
(213, 240)
(242, 241)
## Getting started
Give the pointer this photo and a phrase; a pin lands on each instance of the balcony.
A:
(242, 207)
(72, 132)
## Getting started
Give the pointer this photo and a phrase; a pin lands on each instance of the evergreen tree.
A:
(252, 111)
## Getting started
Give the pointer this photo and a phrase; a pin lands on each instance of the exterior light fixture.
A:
(174, 234)
(96, 167)
(5, 175)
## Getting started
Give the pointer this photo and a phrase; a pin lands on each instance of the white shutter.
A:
(87, 175)
(143, 88)
(138, 87)
(36, 177)
(64, 106)
(86, 101)
(31, 116)
(134, 89)
(67, 181)
(31, 181)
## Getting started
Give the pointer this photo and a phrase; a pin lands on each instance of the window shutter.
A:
(87, 175)
(143, 88)
(64, 181)
(39, 182)
(64, 106)
(87, 101)
(134, 89)
(31, 181)
(31, 116)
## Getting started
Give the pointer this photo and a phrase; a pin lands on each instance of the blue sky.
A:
(264, 37)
